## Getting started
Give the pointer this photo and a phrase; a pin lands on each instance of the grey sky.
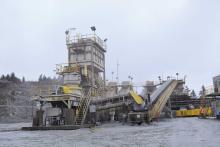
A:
(148, 38)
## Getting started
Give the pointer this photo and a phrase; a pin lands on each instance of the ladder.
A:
(83, 106)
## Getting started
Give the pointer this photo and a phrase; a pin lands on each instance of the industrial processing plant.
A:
(109, 73)
(85, 99)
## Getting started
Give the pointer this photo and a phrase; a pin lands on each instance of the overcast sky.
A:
(149, 37)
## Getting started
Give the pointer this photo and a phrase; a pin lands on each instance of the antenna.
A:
(117, 78)
(112, 75)
(68, 33)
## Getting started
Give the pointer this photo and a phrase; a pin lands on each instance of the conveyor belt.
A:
(160, 98)
(111, 102)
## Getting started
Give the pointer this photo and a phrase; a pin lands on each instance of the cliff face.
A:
(15, 100)
(4, 97)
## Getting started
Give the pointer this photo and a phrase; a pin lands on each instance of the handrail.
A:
(83, 107)
(67, 68)
(81, 38)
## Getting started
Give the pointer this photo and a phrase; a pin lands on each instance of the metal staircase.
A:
(83, 107)
(161, 99)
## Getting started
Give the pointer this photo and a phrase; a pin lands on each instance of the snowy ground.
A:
(178, 132)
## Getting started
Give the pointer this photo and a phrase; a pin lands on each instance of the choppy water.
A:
(179, 132)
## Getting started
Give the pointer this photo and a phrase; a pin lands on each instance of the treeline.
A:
(12, 78)
(42, 78)
(45, 78)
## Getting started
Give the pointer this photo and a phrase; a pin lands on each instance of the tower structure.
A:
(86, 62)
(83, 78)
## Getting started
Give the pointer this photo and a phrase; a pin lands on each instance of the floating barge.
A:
(63, 127)
(84, 98)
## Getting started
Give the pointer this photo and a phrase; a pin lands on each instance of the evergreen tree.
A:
(8, 77)
(44, 78)
(3, 77)
(23, 79)
(12, 77)
(202, 92)
(193, 94)
(40, 78)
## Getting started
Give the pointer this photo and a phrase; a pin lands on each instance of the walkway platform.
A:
(63, 127)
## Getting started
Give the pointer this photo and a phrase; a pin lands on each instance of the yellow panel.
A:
(189, 112)
(209, 111)
(185, 113)
(70, 89)
(178, 113)
(193, 112)
(137, 98)
(196, 112)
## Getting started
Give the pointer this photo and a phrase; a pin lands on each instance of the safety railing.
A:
(67, 68)
(83, 38)
(83, 107)
(47, 90)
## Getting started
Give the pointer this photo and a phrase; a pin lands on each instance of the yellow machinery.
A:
(194, 112)
(136, 98)
(138, 113)
(69, 89)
